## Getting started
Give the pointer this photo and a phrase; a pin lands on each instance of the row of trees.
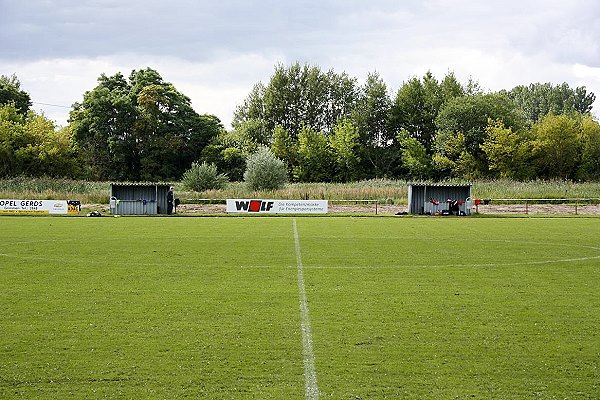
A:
(323, 125)
(328, 128)
(140, 128)
(30, 144)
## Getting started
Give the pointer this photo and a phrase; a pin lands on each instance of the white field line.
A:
(310, 373)
(398, 266)
(65, 260)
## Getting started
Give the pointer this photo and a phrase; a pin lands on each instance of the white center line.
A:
(310, 373)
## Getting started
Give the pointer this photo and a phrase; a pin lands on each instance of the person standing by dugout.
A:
(170, 200)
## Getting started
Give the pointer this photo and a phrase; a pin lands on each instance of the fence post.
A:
(376, 203)
(526, 207)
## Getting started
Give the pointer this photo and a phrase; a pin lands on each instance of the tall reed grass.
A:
(54, 189)
(384, 190)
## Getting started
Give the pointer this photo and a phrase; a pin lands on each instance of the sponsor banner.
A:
(34, 207)
(252, 206)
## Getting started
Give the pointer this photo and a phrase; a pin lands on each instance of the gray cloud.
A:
(189, 29)
(218, 49)
(302, 30)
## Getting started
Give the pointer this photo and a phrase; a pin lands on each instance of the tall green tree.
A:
(229, 151)
(315, 158)
(589, 168)
(414, 156)
(103, 127)
(253, 107)
(12, 138)
(32, 145)
(285, 148)
(557, 146)
(11, 92)
(508, 152)
(539, 99)
(452, 159)
(140, 128)
(344, 143)
(418, 103)
(371, 118)
(298, 96)
(469, 116)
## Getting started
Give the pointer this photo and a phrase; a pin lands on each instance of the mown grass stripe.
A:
(310, 373)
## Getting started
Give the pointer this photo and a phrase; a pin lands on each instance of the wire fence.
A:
(574, 206)
(565, 206)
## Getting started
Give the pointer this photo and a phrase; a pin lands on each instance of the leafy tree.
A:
(370, 116)
(264, 171)
(12, 138)
(229, 151)
(31, 145)
(470, 114)
(539, 99)
(201, 177)
(473, 88)
(469, 117)
(450, 88)
(418, 104)
(414, 156)
(557, 146)
(253, 107)
(341, 99)
(139, 128)
(285, 148)
(412, 113)
(451, 158)
(102, 129)
(10, 92)
(256, 131)
(442, 166)
(297, 96)
(467, 166)
(207, 129)
(589, 168)
(50, 152)
(344, 143)
(315, 159)
(508, 152)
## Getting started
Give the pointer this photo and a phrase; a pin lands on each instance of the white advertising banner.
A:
(33, 206)
(252, 206)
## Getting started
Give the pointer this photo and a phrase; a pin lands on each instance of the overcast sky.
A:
(215, 51)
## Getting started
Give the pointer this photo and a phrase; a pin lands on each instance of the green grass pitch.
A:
(397, 308)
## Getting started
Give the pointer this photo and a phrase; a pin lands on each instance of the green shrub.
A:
(201, 177)
(264, 171)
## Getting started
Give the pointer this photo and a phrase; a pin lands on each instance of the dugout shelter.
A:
(439, 199)
(138, 198)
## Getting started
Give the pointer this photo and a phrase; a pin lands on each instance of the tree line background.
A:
(323, 125)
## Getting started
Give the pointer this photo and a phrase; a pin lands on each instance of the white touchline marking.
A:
(397, 266)
(310, 373)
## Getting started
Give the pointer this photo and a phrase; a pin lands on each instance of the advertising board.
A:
(12, 206)
(257, 206)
